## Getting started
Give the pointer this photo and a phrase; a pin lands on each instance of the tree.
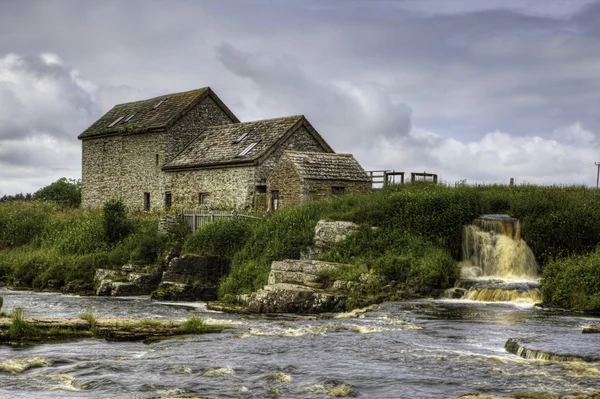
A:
(64, 191)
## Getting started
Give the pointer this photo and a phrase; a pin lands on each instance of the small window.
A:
(168, 200)
(159, 103)
(242, 137)
(247, 150)
(146, 201)
(335, 190)
(204, 199)
(116, 121)
(261, 189)
(156, 159)
(129, 118)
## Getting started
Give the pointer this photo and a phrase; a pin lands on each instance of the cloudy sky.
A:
(482, 90)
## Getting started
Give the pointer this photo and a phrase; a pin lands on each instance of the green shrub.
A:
(64, 191)
(116, 225)
(20, 329)
(193, 325)
(573, 282)
(22, 221)
(406, 258)
(222, 238)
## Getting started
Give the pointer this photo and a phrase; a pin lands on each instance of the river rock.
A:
(207, 270)
(107, 274)
(297, 286)
(292, 298)
(586, 330)
(104, 288)
(300, 272)
(172, 291)
(326, 235)
(528, 349)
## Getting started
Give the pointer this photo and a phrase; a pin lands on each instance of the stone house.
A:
(302, 177)
(188, 149)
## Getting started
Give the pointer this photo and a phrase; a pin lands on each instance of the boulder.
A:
(172, 291)
(107, 274)
(204, 270)
(329, 233)
(297, 286)
(129, 289)
(300, 272)
(104, 288)
(326, 235)
(291, 298)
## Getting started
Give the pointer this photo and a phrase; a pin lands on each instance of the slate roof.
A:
(219, 146)
(147, 116)
(327, 166)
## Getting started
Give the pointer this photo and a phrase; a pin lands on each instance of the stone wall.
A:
(319, 189)
(300, 140)
(130, 165)
(286, 180)
(228, 187)
(294, 191)
(101, 170)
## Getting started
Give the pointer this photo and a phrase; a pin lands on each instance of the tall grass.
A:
(419, 232)
(44, 245)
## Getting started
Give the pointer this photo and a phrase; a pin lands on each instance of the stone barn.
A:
(188, 149)
(302, 177)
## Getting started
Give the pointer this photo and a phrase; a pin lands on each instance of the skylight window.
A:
(129, 117)
(242, 137)
(116, 121)
(247, 150)
(159, 103)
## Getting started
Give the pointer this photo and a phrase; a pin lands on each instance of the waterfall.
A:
(497, 265)
(493, 243)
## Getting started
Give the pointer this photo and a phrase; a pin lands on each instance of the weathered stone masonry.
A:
(185, 145)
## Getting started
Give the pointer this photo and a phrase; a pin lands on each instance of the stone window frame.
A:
(204, 198)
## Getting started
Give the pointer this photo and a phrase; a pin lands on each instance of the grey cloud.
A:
(350, 113)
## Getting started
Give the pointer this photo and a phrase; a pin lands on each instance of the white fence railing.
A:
(198, 218)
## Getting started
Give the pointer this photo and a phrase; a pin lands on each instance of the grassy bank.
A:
(48, 246)
(417, 239)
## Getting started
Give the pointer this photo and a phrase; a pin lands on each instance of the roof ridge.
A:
(319, 153)
(200, 91)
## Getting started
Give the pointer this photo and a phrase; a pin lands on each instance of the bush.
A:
(116, 225)
(573, 282)
(406, 258)
(66, 192)
(222, 238)
(193, 325)
(20, 329)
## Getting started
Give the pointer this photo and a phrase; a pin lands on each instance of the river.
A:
(429, 348)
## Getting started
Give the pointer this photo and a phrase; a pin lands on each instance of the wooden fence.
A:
(198, 218)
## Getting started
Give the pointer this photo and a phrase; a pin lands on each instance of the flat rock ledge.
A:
(517, 347)
(591, 330)
(58, 330)
(298, 286)
(479, 395)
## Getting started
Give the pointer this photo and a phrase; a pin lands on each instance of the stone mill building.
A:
(188, 149)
